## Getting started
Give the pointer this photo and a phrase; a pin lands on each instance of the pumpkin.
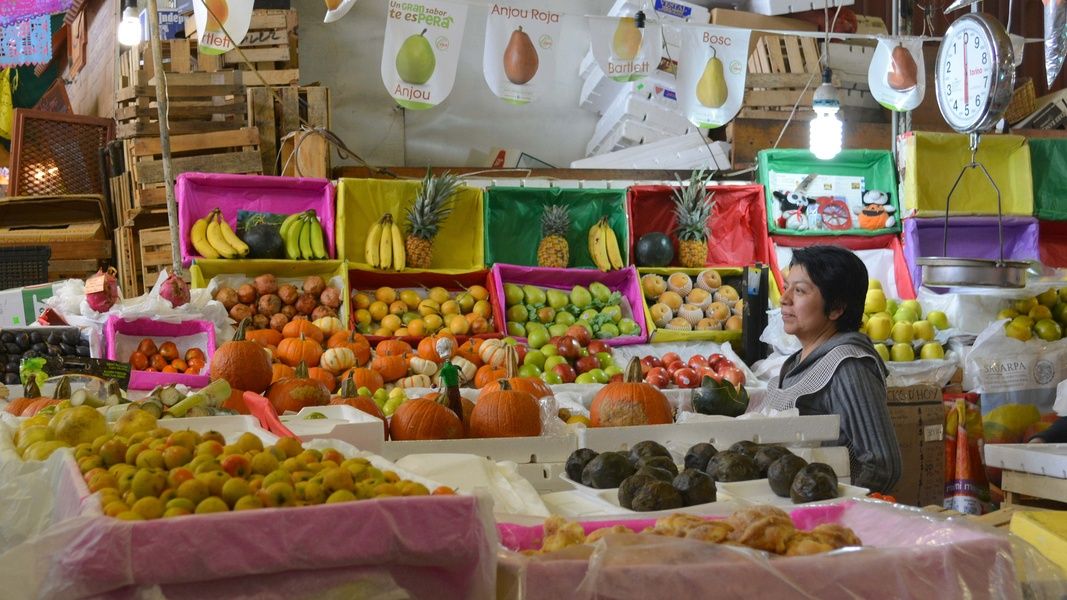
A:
(428, 349)
(505, 413)
(301, 326)
(267, 337)
(425, 419)
(468, 408)
(18, 405)
(630, 402)
(422, 366)
(295, 350)
(298, 391)
(243, 363)
(37, 405)
(469, 351)
(280, 371)
(531, 385)
(325, 377)
(347, 395)
(368, 378)
(414, 381)
(486, 374)
(236, 401)
(493, 352)
(329, 325)
(390, 367)
(354, 342)
(338, 360)
(393, 348)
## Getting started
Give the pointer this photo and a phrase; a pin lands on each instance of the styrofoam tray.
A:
(631, 108)
(544, 477)
(582, 488)
(230, 426)
(521, 450)
(627, 134)
(680, 152)
(1041, 459)
(835, 456)
(724, 505)
(342, 422)
(720, 433)
(758, 491)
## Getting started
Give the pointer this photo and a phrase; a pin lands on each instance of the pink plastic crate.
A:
(121, 338)
(200, 193)
(626, 281)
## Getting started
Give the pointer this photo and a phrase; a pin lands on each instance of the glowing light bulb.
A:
(129, 30)
(826, 128)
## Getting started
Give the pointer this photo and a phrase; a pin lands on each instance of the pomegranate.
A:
(175, 290)
(102, 290)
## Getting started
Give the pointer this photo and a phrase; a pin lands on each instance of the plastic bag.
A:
(1055, 15)
(897, 75)
(512, 494)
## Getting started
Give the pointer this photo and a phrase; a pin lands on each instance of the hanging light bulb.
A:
(129, 31)
(826, 128)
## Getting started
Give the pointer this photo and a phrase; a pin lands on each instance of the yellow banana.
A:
(292, 239)
(318, 239)
(306, 252)
(385, 248)
(400, 257)
(231, 237)
(374, 241)
(216, 239)
(611, 242)
(598, 248)
(198, 236)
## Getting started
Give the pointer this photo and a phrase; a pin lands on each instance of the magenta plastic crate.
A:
(626, 281)
(200, 193)
(121, 338)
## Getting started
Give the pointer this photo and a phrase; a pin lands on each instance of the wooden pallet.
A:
(198, 102)
(155, 251)
(283, 112)
(128, 261)
(137, 66)
(270, 47)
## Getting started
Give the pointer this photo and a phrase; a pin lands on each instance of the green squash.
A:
(719, 398)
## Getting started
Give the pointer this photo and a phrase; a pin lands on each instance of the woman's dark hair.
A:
(841, 278)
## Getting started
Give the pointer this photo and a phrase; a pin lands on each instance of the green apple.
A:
(923, 330)
(599, 375)
(628, 326)
(588, 315)
(513, 294)
(536, 338)
(549, 349)
(600, 292)
(890, 306)
(1063, 294)
(552, 361)
(1016, 330)
(534, 295)
(546, 314)
(510, 341)
(585, 378)
(938, 319)
(1059, 312)
(615, 312)
(913, 306)
(557, 299)
(612, 370)
(905, 315)
(1048, 330)
(1023, 321)
(565, 318)
(581, 297)
(879, 327)
(608, 330)
(931, 351)
(551, 377)
(535, 358)
(1048, 298)
(363, 391)
(903, 332)
(557, 329)
(605, 359)
(583, 352)
(873, 284)
(516, 329)
(882, 351)
(875, 301)
(902, 353)
(529, 371)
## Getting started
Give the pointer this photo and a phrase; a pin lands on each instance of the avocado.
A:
(607, 470)
(767, 455)
(647, 449)
(577, 461)
(657, 495)
(745, 447)
(659, 462)
(632, 484)
(812, 485)
(698, 456)
(732, 466)
(782, 472)
(696, 487)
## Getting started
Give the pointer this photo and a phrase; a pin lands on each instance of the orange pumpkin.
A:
(295, 350)
(468, 408)
(391, 368)
(323, 376)
(236, 401)
(347, 395)
(505, 413)
(35, 402)
(630, 402)
(298, 391)
(531, 385)
(280, 371)
(425, 419)
(363, 377)
(18, 405)
(486, 374)
(354, 342)
(428, 349)
(393, 348)
(38, 405)
(301, 326)
(267, 337)
(469, 351)
(243, 363)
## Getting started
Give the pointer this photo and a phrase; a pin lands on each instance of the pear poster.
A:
(711, 74)
(421, 51)
(217, 18)
(897, 80)
(624, 51)
(520, 51)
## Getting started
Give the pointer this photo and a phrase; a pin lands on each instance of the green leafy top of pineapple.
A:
(692, 206)
(555, 220)
(432, 205)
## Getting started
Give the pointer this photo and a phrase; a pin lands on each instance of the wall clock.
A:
(974, 75)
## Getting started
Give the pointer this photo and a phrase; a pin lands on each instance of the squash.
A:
(354, 342)
(267, 337)
(486, 374)
(325, 377)
(531, 385)
(328, 325)
(301, 326)
(493, 352)
(295, 350)
(280, 371)
(347, 395)
(298, 391)
(18, 405)
(391, 368)
(469, 351)
(467, 369)
(415, 381)
(243, 363)
(338, 360)
(393, 348)
(422, 366)
(368, 378)
(505, 412)
(630, 402)
(425, 419)
(468, 408)
(428, 349)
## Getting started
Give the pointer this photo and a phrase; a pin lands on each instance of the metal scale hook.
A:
(974, 164)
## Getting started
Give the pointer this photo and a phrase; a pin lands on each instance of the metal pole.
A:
(164, 134)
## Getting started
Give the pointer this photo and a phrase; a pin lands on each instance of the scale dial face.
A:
(975, 73)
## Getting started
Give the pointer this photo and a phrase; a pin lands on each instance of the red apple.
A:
(686, 378)
(651, 361)
(733, 375)
(587, 363)
(708, 372)
(670, 357)
(580, 333)
(659, 377)
(565, 372)
(615, 377)
(674, 366)
(520, 351)
(697, 362)
(596, 346)
(568, 347)
(714, 360)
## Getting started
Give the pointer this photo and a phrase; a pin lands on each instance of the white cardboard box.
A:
(688, 151)
(784, 7)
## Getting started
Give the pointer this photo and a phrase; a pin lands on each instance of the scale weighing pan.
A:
(940, 271)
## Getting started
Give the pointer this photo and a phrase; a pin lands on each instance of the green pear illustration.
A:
(711, 88)
(415, 61)
(627, 39)
(520, 58)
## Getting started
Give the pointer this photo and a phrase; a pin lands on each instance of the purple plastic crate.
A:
(968, 237)
(200, 193)
(121, 338)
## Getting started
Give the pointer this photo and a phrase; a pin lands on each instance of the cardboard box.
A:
(171, 24)
(1052, 115)
(919, 420)
(20, 307)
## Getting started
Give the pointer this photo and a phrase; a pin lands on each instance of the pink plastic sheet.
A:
(118, 328)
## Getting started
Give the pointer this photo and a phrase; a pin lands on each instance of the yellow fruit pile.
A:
(408, 312)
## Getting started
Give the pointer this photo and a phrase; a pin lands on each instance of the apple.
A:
(1048, 330)
(557, 329)
(670, 357)
(529, 371)
(709, 372)
(568, 347)
(924, 330)
(616, 377)
(697, 362)
(879, 327)
(585, 379)
(931, 351)
(733, 375)
(583, 352)
(913, 306)
(1040, 312)
(549, 349)
(903, 332)
(566, 372)
(583, 335)
(674, 366)
(650, 361)
(551, 378)
(612, 370)
(658, 377)
(587, 363)
(535, 358)
(875, 301)
(598, 346)
(714, 360)
(902, 353)
(552, 361)
(686, 378)
(536, 337)
(882, 351)
(598, 375)
(938, 318)
(604, 358)
(520, 352)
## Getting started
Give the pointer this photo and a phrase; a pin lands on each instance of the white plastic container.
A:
(688, 151)
(758, 491)
(342, 422)
(544, 477)
(720, 433)
(724, 505)
(521, 450)
(1040, 459)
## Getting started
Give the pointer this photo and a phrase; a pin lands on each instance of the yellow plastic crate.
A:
(660, 335)
(1046, 531)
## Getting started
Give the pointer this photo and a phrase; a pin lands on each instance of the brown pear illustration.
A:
(520, 58)
(903, 71)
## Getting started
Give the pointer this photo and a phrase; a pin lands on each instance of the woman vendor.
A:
(837, 371)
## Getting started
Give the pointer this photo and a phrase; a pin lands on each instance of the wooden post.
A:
(164, 134)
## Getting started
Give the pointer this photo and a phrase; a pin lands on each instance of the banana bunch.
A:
(303, 236)
(214, 238)
(385, 245)
(604, 246)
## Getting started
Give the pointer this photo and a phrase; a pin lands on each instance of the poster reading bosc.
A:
(222, 23)
(711, 74)
(520, 51)
(421, 51)
(624, 49)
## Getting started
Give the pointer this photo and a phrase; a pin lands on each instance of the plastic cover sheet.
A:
(907, 553)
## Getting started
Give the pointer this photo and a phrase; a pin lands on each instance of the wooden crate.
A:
(155, 254)
(198, 102)
(270, 46)
(137, 66)
(74, 228)
(128, 263)
(282, 112)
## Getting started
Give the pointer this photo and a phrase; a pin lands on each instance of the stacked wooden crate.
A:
(270, 46)
(278, 114)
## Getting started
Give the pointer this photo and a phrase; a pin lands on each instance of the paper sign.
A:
(624, 51)
(422, 43)
(711, 74)
(897, 76)
(520, 50)
(215, 16)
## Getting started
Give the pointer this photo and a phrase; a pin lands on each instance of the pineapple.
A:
(432, 206)
(553, 250)
(692, 207)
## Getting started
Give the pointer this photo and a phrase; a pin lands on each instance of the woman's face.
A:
(803, 307)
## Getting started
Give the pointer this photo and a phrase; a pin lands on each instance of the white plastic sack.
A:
(512, 494)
